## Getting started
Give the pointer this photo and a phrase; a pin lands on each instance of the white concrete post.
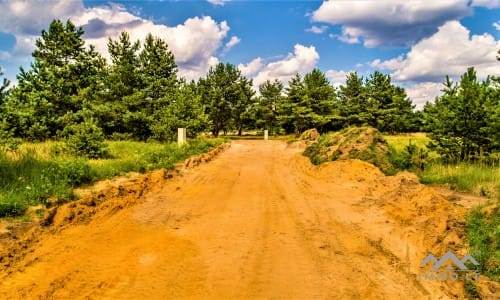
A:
(266, 135)
(181, 136)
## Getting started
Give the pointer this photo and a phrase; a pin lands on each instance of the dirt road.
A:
(257, 222)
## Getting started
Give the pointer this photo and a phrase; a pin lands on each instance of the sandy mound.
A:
(364, 143)
(310, 136)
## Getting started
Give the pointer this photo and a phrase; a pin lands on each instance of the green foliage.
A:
(3, 88)
(62, 67)
(364, 143)
(376, 102)
(226, 96)
(266, 112)
(309, 103)
(85, 139)
(30, 177)
(412, 158)
(184, 111)
(483, 234)
(464, 123)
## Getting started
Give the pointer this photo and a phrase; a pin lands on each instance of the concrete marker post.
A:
(266, 135)
(181, 136)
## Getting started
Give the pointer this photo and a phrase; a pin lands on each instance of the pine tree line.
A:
(71, 90)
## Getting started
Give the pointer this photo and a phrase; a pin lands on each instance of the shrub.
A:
(86, 139)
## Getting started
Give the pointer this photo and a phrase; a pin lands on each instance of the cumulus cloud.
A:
(302, 60)
(317, 29)
(251, 68)
(422, 92)
(448, 52)
(194, 43)
(337, 78)
(398, 23)
(233, 41)
(487, 3)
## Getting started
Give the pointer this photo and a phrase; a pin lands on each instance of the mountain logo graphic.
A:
(449, 256)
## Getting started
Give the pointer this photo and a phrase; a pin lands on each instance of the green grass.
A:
(480, 179)
(40, 172)
(470, 177)
(483, 234)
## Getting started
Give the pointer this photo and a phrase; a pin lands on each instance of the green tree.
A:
(241, 112)
(184, 110)
(62, 67)
(220, 91)
(3, 88)
(268, 102)
(121, 96)
(389, 108)
(294, 114)
(319, 97)
(352, 103)
(464, 119)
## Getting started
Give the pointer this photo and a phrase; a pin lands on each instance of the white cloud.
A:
(389, 22)
(487, 3)
(231, 43)
(448, 52)
(194, 43)
(337, 78)
(218, 2)
(251, 68)
(496, 25)
(422, 92)
(302, 60)
(317, 29)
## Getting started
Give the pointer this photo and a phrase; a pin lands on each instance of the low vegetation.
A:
(47, 173)
(483, 235)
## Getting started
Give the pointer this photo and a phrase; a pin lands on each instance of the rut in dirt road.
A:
(257, 222)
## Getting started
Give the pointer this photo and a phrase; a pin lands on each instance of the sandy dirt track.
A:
(257, 222)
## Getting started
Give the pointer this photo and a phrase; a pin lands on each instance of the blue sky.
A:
(417, 42)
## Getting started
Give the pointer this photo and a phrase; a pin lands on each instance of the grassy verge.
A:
(37, 173)
(483, 235)
(480, 179)
(469, 177)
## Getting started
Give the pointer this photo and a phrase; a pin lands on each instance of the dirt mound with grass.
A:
(363, 143)
(310, 136)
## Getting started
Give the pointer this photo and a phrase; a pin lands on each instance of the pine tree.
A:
(294, 114)
(121, 96)
(220, 92)
(463, 122)
(319, 97)
(184, 110)
(266, 107)
(353, 105)
(241, 113)
(61, 69)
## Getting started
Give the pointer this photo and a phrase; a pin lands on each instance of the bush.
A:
(412, 158)
(86, 139)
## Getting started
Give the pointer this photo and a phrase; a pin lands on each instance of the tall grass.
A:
(480, 179)
(44, 172)
(483, 234)
(483, 180)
